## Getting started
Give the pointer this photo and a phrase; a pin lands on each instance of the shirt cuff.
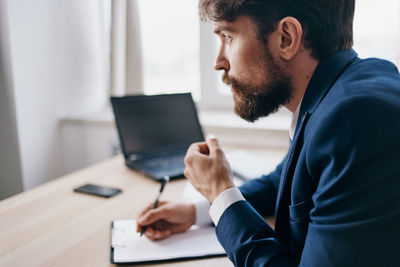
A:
(223, 201)
(202, 207)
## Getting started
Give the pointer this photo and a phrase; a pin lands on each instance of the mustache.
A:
(226, 79)
(235, 85)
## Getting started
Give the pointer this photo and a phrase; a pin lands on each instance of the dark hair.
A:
(327, 24)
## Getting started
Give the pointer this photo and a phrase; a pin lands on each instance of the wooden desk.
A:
(52, 226)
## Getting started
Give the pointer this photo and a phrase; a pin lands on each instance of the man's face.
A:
(258, 83)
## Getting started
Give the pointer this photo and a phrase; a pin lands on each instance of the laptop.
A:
(155, 132)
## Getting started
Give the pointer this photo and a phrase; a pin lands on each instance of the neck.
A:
(301, 69)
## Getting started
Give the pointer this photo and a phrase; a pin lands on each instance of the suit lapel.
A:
(283, 200)
(326, 74)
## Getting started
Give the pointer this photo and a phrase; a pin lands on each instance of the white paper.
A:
(130, 247)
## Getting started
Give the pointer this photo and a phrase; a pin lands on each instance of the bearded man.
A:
(336, 194)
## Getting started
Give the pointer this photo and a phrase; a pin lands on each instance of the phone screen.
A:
(98, 190)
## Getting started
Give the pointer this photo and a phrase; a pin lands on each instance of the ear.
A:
(290, 32)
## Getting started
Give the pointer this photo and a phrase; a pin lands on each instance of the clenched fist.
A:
(207, 168)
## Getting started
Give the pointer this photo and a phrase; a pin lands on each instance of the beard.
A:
(253, 101)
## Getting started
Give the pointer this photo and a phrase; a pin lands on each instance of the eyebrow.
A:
(218, 29)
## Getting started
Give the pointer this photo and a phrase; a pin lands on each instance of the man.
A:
(336, 194)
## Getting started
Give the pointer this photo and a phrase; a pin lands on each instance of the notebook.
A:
(155, 132)
(127, 247)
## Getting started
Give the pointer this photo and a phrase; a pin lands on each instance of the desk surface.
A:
(52, 226)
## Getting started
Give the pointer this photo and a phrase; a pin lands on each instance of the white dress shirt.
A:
(231, 195)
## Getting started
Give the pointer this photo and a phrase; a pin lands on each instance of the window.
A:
(377, 29)
(214, 93)
(170, 43)
(179, 51)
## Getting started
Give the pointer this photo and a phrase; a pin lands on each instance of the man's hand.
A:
(207, 168)
(168, 218)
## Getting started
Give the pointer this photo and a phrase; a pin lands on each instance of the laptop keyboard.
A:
(171, 165)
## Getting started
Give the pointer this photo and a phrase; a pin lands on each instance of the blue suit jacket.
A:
(336, 195)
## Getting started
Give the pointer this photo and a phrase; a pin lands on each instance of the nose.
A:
(222, 62)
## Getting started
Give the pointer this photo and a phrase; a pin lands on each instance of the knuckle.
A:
(191, 147)
(187, 160)
(218, 151)
(186, 173)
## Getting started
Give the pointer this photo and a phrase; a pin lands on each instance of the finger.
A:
(155, 234)
(145, 210)
(140, 215)
(149, 233)
(213, 145)
(195, 152)
(193, 148)
(203, 148)
(161, 234)
(198, 148)
(186, 173)
(212, 141)
(153, 215)
(138, 228)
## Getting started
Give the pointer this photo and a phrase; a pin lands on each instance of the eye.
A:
(227, 37)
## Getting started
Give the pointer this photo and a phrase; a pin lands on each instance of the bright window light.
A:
(170, 42)
(377, 29)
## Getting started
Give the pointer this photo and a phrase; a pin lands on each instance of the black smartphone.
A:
(98, 190)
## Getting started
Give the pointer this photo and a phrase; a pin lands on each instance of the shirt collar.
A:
(295, 118)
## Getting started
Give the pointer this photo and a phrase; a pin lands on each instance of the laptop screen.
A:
(156, 124)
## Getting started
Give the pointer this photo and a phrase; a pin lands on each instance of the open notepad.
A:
(128, 247)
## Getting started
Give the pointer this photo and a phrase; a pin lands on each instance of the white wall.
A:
(87, 141)
(59, 61)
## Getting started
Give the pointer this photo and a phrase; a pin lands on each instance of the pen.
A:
(164, 181)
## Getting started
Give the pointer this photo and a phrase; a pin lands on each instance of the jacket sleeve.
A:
(353, 155)
(262, 192)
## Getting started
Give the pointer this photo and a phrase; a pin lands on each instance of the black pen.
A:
(164, 181)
